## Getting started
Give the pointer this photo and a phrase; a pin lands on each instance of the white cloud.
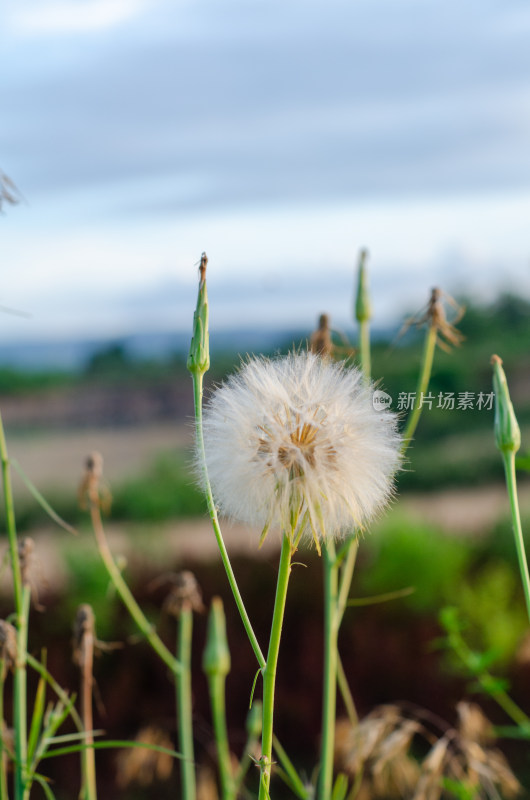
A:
(73, 17)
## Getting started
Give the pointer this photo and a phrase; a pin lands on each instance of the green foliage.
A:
(402, 553)
(168, 490)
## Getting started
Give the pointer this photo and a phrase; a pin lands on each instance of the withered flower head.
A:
(185, 593)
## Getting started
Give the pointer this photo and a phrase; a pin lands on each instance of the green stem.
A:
(3, 750)
(20, 699)
(184, 710)
(331, 632)
(125, 593)
(347, 696)
(10, 522)
(511, 485)
(197, 394)
(269, 673)
(364, 347)
(336, 593)
(19, 722)
(216, 685)
(346, 576)
(423, 383)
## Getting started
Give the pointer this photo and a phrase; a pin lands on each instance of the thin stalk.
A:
(125, 593)
(216, 685)
(88, 756)
(3, 750)
(21, 605)
(329, 694)
(346, 576)
(347, 696)
(269, 673)
(364, 349)
(10, 522)
(20, 699)
(511, 484)
(197, 395)
(184, 711)
(423, 382)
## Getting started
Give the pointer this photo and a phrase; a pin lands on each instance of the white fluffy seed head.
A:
(295, 443)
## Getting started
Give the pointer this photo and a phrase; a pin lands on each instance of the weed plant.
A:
(395, 750)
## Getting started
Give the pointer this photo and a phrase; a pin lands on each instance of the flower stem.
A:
(3, 759)
(126, 595)
(197, 395)
(508, 458)
(20, 698)
(216, 685)
(269, 672)
(364, 348)
(184, 711)
(331, 632)
(423, 382)
(22, 600)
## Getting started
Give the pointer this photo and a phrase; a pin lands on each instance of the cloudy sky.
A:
(279, 136)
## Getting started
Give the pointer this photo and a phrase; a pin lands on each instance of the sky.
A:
(279, 136)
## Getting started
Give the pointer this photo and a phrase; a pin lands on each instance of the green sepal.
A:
(199, 355)
(507, 433)
(216, 656)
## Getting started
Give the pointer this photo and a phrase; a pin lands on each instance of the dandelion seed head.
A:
(295, 443)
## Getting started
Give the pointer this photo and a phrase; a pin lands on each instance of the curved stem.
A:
(184, 710)
(126, 595)
(423, 382)
(511, 485)
(197, 394)
(269, 673)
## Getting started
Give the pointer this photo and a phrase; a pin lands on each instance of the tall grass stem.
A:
(184, 709)
(508, 458)
(423, 382)
(269, 673)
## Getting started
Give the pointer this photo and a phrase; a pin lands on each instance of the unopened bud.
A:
(507, 433)
(363, 309)
(216, 656)
(254, 720)
(199, 355)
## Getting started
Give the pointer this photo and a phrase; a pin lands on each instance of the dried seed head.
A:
(8, 646)
(185, 593)
(473, 725)
(84, 634)
(365, 740)
(429, 786)
(435, 317)
(320, 342)
(92, 491)
(26, 547)
(143, 766)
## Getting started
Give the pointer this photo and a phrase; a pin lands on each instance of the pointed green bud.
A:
(254, 720)
(199, 355)
(507, 433)
(216, 656)
(363, 309)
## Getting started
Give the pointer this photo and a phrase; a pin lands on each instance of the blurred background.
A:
(280, 138)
